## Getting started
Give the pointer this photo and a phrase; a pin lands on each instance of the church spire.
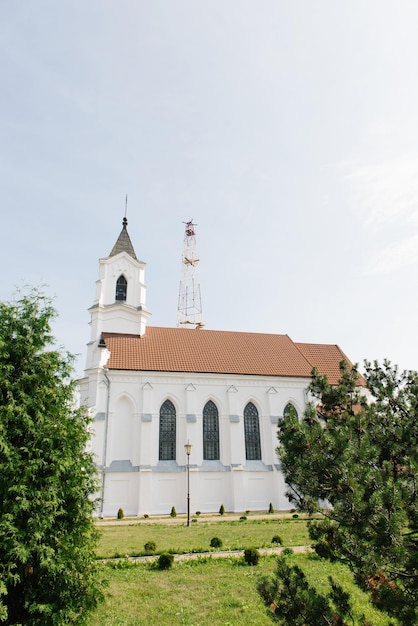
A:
(120, 301)
(123, 243)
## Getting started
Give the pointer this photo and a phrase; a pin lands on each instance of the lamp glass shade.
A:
(188, 448)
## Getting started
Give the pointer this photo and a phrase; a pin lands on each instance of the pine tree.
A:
(356, 453)
(47, 478)
(293, 602)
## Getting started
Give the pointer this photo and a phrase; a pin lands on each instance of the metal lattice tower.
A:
(189, 310)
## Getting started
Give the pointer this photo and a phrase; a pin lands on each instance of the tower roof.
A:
(123, 243)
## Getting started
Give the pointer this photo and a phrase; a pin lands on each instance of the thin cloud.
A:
(385, 192)
(385, 197)
(394, 257)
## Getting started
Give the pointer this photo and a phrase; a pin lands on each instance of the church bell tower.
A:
(119, 305)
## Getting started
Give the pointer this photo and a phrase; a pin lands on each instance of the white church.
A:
(151, 390)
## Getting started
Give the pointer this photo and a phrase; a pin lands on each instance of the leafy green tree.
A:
(48, 574)
(354, 459)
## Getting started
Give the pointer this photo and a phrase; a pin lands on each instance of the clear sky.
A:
(287, 130)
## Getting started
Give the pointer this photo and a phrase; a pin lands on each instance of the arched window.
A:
(289, 409)
(210, 432)
(252, 433)
(167, 444)
(121, 288)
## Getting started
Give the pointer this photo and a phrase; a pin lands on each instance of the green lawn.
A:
(206, 592)
(129, 540)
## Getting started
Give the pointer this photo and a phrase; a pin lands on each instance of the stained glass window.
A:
(167, 445)
(210, 432)
(252, 433)
(289, 409)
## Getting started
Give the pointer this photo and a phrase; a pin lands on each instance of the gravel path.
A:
(181, 519)
(223, 554)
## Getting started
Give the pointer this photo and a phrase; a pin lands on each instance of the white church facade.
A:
(151, 390)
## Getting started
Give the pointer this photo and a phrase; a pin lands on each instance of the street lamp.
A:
(188, 449)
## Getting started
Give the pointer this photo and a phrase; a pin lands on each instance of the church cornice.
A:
(122, 306)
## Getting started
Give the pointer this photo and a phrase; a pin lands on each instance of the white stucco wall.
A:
(127, 432)
(129, 316)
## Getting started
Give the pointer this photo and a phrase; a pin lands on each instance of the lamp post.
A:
(188, 449)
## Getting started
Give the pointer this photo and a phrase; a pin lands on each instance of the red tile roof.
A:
(220, 352)
(326, 358)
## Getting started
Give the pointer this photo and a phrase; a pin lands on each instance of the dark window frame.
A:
(252, 433)
(290, 409)
(121, 289)
(210, 428)
(167, 432)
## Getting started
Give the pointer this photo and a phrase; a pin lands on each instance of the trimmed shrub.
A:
(198, 513)
(247, 512)
(215, 542)
(146, 516)
(165, 561)
(173, 512)
(287, 552)
(242, 518)
(120, 514)
(295, 516)
(194, 520)
(150, 546)
(222, 510)
(276, 539)
(271, 508)
(251, 556)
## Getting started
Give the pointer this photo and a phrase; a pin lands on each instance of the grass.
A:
(207, 592)
(317, 571)
(236, 535)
